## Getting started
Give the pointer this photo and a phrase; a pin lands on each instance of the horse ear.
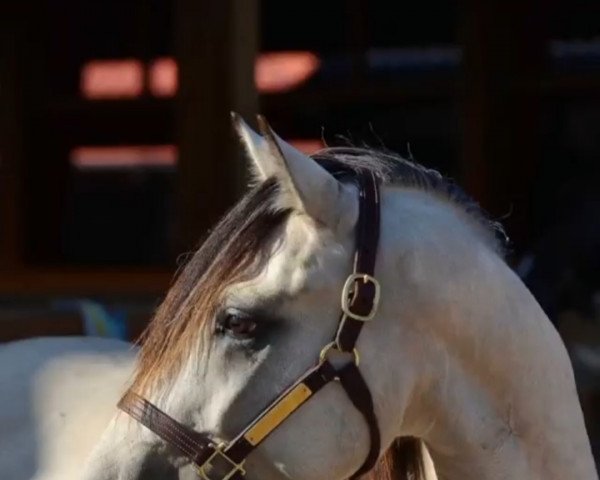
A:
(256, 148)
(304, 185)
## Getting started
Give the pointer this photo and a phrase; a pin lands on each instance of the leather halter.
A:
(360, 298)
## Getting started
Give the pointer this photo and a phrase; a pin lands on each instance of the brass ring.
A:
(334, 346)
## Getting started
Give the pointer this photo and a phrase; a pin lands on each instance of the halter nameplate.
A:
(274, 417)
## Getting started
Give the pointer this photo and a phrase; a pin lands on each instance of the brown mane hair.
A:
(239, 244)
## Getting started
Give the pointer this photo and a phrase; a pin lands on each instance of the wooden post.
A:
(216, 46)
(11, 124)
(504, 46)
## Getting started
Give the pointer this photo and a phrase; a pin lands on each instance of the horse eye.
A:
(238, 324)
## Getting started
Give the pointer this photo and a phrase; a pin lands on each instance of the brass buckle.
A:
(334, 346)
(347, 291)
(236, 467)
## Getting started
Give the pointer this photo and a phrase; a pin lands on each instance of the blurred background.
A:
(116, 152)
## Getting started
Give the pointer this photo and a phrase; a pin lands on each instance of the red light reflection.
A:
(101, 79)
(164, 77)
(284, 71)
(112, 79)
(130, 156)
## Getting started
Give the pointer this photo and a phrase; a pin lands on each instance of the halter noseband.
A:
(360, 298)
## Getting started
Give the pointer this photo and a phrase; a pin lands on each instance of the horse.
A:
(467, 377)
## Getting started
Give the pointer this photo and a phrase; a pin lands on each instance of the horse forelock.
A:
(229, 254)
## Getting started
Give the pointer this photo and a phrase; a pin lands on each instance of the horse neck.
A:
(498, 399)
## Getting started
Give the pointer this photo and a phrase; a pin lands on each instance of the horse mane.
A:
(238, 245)
(392, 169)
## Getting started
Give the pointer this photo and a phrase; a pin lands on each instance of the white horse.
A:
(459, 357)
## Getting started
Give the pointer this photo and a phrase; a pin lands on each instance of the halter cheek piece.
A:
(360, 297)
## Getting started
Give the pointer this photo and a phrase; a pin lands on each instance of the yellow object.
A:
(278, 414)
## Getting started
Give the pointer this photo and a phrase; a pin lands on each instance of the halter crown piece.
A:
(359, 302)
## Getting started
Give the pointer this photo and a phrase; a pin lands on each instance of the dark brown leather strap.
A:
(190, 443)
(364, 293)
(359, 394)
(363, 304)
